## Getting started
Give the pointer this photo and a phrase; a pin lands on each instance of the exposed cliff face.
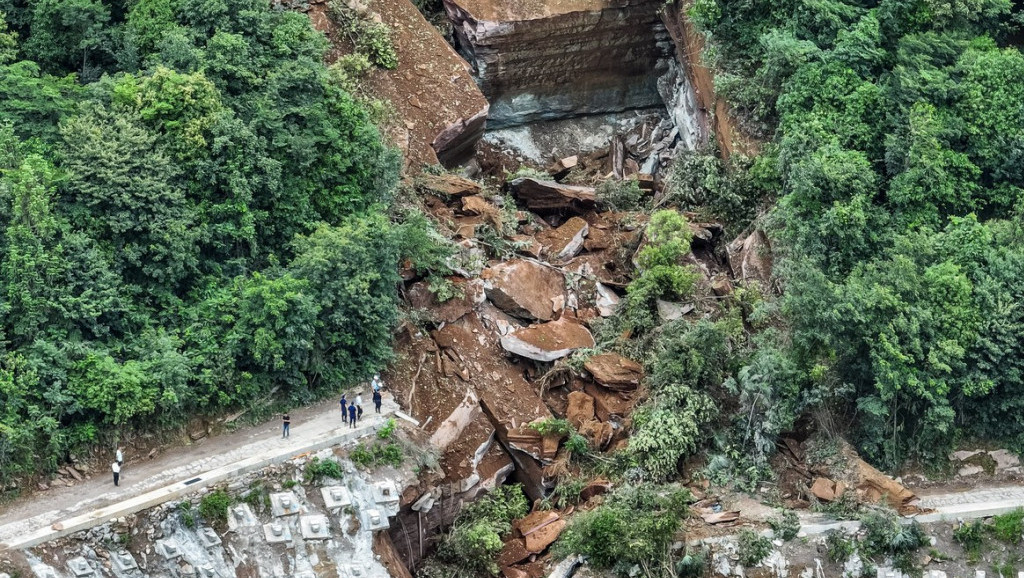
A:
(542, 60)
(694, 104)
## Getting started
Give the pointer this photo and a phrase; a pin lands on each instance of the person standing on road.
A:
(376, 401)
(376, 383)
(119, 456)
(344, 408)
(286, 422)
(359, 404)
(352, 415)
(116, 468)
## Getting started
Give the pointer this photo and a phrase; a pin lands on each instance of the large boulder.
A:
(548, 341)
(614, 371)
(525, 289)
(469, 293)
(540, 195)
(750, 258)
(565, 241)
(609, 404)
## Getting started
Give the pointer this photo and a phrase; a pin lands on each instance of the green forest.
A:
(893, 136)
(194, 213)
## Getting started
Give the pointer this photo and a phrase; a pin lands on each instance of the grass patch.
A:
(318, 470)
(214, 506)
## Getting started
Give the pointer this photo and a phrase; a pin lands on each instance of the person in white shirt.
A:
(114, 467)
(376, 383)
(359, 405)
(119, 456)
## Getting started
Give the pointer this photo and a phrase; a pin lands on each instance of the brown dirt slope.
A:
(432, 94)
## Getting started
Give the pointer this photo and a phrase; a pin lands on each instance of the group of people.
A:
(351, 411)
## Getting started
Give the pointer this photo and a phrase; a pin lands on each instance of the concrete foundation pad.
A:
(123, 561)
(240, 516)
(336, 497)
(80, 567)
(374, 519)
(277, 533)
(208, 538)
(315, 527)
(284, 504)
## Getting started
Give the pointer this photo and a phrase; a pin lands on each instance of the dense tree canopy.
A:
(193, 214)
(899, 127)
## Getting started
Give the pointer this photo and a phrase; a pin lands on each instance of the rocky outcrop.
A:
(543, 60)
(525, 289)
(548, 341)
(689, 91)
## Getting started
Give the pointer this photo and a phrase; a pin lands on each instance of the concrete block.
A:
(936, 574)
(336, 497)
(80, 567)
(207, 571)
(123, 561)
(979, 574)
(208, 538)
(168, 548)
(350, 572)
(277, 533)
(315, 527)
(374, 519)
(385, 492)
(284, 504)
(44, 571)
(240, 516)
(304, 575)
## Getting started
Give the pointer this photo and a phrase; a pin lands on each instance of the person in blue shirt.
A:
(352, 415)
(344, 408)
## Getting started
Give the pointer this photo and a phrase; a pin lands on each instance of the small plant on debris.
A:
(188, 516)
(372, 455)
(971, 536)
(621, 195)
(257, 497)
(786, 525)
(370, 38)
(318, 470)
(214, 506)
(388, 431)
(753, 548)
(884, 535)
(552, 426)
(838, 547)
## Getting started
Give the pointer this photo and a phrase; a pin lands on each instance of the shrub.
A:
(474, 540)
(214, 506)
(786, 526)
(839, 547)
(633, 526)
(188, 516)
(1009, 527)
(370, 455)
(624, 195)
(388, 430)
(552, 426)
(884, 535)
(970, 536)
(753, 548)
(317, 470)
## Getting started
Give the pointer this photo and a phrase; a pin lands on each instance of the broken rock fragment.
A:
(614, 371)
(540, 195)
(565, 241)
(548, 341)
(448, 185)
(525, 289)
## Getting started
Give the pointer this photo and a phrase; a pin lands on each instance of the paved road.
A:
(139, 476)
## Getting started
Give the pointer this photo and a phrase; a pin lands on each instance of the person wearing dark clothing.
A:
(359, 412)
(376, 401)
(344, 408)
(352, 415)
(286, 422)
(116, 468)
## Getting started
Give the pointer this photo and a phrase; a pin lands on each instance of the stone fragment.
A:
(524, 289)
(540, 195)
(721, 286)
(538, 540)
(608, 404)
(824, 489)
(606, 300)
(614, 371)
(580, 409)
(513, 552)
(548, 341)
(750, 258)
(670, 311)
(565, 241)
(477, 205)
(448, 185)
